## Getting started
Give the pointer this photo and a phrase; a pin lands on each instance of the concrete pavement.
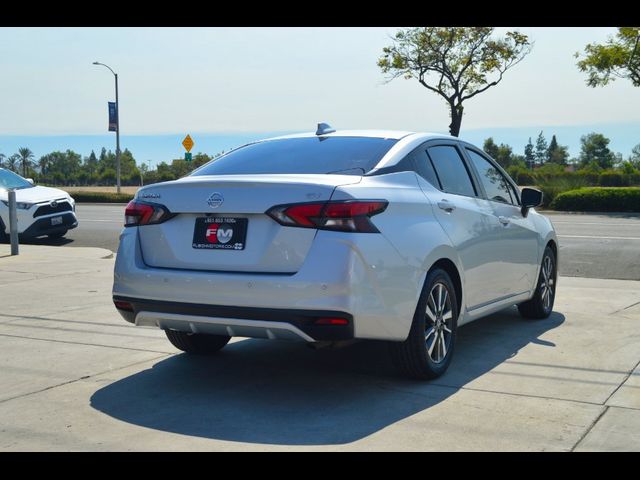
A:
(75, 376)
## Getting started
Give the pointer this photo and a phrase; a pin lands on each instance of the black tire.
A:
(197, 343)
(412, 357)
(541, 305)
(54, 236)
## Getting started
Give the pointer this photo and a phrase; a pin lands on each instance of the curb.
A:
(45, 253)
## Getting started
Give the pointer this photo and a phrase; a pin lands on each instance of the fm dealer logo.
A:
(219, 233)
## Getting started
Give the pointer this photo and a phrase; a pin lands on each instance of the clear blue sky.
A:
(227, 85)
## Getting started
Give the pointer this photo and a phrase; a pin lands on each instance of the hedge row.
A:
(101, 197)
(525, 177)
(599, 199)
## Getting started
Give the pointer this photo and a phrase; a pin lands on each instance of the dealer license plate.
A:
(220, 233)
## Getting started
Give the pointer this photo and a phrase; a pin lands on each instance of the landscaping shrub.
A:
(613, 179)
(553, 186)
(599, 199)
(521, 175)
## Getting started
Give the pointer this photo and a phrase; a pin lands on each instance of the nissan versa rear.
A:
(332, 236)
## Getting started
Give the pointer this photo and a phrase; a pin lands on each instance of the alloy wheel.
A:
(439, 316)
(547, 284)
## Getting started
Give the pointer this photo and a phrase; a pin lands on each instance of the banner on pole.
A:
(113, 123)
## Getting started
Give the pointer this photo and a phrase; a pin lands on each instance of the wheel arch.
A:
(551, 243)
(450, 267)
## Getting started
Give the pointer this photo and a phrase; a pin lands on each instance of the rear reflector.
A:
(123, 305)
(344, 216)
(331, 321)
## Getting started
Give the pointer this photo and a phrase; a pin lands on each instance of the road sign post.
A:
(187, 143)
(13, 222)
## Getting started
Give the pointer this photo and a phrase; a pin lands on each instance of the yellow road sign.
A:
(187, 143)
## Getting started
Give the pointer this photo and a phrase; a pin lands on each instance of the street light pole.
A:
(117, 128)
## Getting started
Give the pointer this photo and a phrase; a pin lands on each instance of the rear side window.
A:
(451, 171)
(329, 155)
(496, 186)
(424, 167)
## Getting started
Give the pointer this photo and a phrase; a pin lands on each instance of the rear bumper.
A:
(236, 321)
(43, 226)
(360, 277)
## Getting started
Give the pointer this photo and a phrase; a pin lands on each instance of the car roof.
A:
(406, 141)
(392, 134)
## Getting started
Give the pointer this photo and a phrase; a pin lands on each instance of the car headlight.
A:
(20, 205)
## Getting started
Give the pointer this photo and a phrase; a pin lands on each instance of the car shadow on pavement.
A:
(51, 242)
(268, 392)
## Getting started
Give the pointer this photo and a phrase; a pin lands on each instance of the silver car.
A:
(334, 236)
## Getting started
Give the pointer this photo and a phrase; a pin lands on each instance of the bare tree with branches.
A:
(457, 63)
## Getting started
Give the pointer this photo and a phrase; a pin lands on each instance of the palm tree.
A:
(12, 162)
(26, 159)
(44, 163)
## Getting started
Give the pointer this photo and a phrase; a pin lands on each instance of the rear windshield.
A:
(337, 155)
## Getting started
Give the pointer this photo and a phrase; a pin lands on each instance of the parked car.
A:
(334, 236)
(40, 210)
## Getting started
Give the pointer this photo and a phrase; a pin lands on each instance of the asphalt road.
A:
(595, 246)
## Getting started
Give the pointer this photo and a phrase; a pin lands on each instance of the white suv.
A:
(335, 236)
(40, 210)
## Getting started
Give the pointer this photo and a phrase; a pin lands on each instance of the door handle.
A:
(503, 220)
(446, 206)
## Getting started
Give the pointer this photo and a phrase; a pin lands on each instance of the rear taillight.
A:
(344, 216)
(143, 213)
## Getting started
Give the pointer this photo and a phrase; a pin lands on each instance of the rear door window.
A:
(451, 170)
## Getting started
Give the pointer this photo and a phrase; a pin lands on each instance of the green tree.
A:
(541, 149)
(627, 167)
(26, 159)
(619, 57)
(518, 161)
(553, 145)
(556, 153)
(44, 165)
(91, 163)
(634, 158)
(13, 162)
(60, 168)
(108, 176)
(129, 173)
(457, 63)
(164, 172)
(529, 156)
(594, 150)
(490, 147)
(503, 154)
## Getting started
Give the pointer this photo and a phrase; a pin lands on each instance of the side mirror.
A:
(530, 197)
(30, 180)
